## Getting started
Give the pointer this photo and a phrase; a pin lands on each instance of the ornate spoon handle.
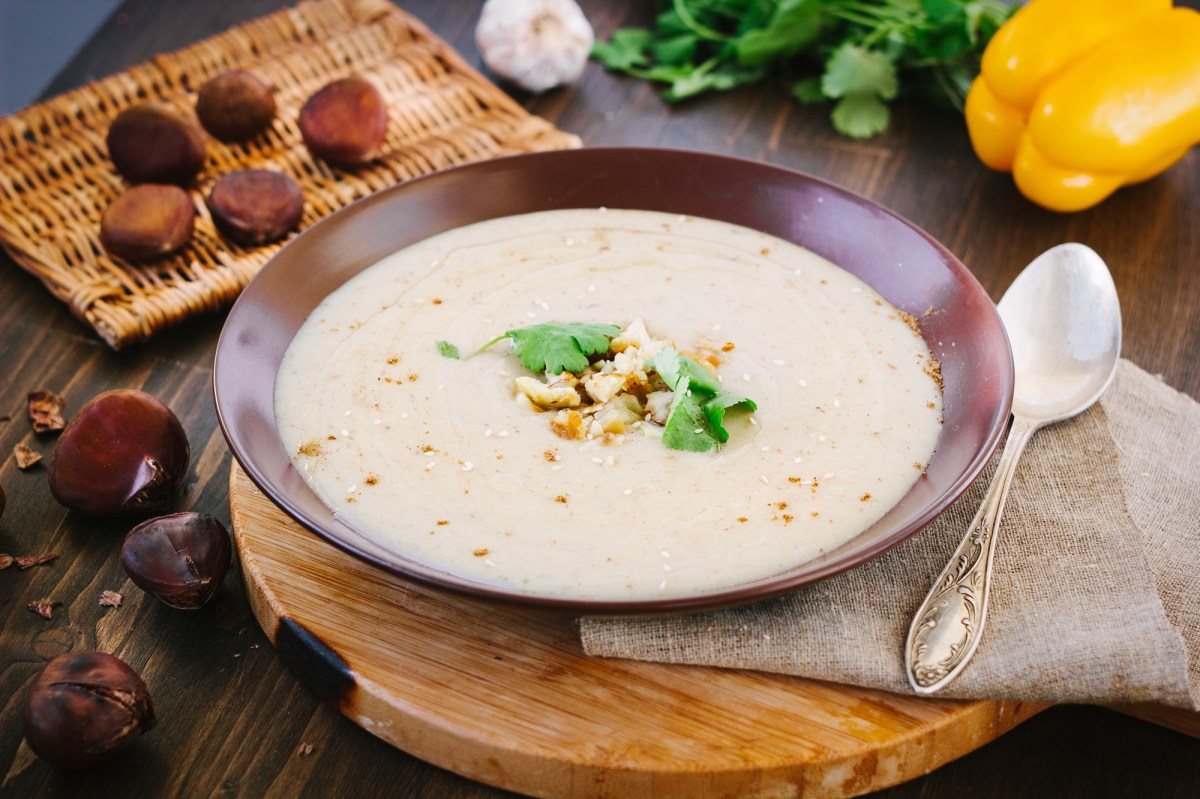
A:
(946, 630)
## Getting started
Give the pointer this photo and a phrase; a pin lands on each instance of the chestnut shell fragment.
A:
(345, 122)
(235, 106)
(152, 144)
(125, 452)
(255, 206)
(181, 558)
(147, 221)
(84, 708)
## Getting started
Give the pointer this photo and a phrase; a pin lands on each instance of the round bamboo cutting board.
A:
(507, 697)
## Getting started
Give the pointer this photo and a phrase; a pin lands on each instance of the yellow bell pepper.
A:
(1080, 97)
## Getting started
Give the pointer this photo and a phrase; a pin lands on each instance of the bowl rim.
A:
(237, 348)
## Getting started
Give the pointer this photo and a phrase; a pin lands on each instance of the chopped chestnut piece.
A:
(345, 122)
(255, 206)
(147, 221)
(153, 144)
(235, 106)
(84, 708)
(181, 558)
(124, 452)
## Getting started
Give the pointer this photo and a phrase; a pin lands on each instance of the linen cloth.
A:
(1096, 585)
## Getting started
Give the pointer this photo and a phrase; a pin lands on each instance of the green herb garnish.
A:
(551, 346)
(852, 52)
(696, 421)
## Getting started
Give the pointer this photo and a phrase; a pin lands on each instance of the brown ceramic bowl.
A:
(965, 333)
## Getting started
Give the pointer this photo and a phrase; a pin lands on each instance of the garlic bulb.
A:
(536, 44)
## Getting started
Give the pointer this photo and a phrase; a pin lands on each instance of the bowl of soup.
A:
(614, 380)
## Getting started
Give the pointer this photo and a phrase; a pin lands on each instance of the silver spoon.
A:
(1064, 323)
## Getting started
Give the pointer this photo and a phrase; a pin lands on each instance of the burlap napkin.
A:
(1097, 584)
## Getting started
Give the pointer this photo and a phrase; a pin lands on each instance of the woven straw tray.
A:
(56, 179)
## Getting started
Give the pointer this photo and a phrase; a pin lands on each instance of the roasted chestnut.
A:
(147, 221)
(235, 106)
(124, 452)
(255, 206)
(84, 708)
(153, 144)
(345, 122)
(181, 558)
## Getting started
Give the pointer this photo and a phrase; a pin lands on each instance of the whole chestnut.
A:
(235, 106)
(147, 221)
(84, 708)
(180, 558)
(255, 206)
(152, 144)
(344, 122)
(124, 452)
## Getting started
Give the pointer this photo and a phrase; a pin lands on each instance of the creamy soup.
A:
(450, 462)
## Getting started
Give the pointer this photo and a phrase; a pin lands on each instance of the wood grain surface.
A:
(528, 711)
(235, 720)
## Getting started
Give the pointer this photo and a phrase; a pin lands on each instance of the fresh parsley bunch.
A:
(852, 52)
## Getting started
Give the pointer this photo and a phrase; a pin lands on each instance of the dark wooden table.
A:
(231, 717)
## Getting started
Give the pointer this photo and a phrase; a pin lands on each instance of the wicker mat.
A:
(56, 178)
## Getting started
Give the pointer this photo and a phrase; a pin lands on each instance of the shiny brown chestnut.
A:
(152, 144)
(84, 708)
(255, 206)
(235, 105)
(125, 452)
(345, 122)
(180, 558)
(147, 221)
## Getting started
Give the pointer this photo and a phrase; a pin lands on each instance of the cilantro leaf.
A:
(715, 409)
(854, 70)
(624, 50)
(696, 421)
(554, 347)
(448, 350)
(794, 25)
(673, 367)
(688, 427)
(860, 116)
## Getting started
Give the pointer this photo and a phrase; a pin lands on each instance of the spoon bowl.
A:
(1064, 323)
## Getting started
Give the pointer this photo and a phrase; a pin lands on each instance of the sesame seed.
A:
(837, 403)
(468, 466)
(716, 327)
(345, 432)
(666, 554)
(486, 321)
(779, 362)
(351, 489)
(556, 467)
(531, 314)
(798, 459)
(753, 421)
(603, 210)
(597, 460)
(698, 430)
(666, 567)
(855, 290)
(347, 413)
(591, 288)
(545, 306)
(570, 241)
(746, 377)
(404, 414)
(503, 434)
(430, 465)
(828, 475)
(796, 272)
(801, 382)
(488, 561)
(765, 449)
(377, 421)
(764, 479)
(487, 433)
(627, 491)
(662, 585)
(820, 438)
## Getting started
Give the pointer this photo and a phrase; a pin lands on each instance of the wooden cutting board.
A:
(507, 697)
